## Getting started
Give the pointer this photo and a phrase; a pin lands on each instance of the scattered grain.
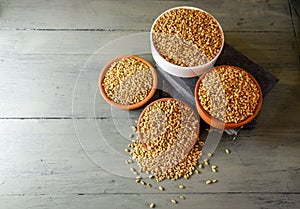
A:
(134, 128)
(208, 182)
(151, 176)
(182, 197)
(206, 162)
(161, 188)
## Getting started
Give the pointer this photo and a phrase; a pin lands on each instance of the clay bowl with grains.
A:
(128, 82)
(186, 41)
(168, 129)
(227, 97)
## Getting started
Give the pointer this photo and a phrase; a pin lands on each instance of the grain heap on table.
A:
(168, 130)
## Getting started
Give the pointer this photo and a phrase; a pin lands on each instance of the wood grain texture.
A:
(44, 45)
(264, 48)
(49, 68)
(45, 157)
(295, 15)
(129, 201)
(254, 15)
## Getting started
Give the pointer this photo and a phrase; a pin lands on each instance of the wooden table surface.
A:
(45, 44)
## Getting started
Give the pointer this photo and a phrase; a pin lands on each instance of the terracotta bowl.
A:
(216, 122)
(165, 99)
(132, 106)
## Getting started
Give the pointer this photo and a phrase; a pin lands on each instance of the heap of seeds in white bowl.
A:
(229, 94)
(168, 130)
(128, 81)
(187, 37)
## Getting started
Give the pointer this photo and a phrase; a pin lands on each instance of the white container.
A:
(179, 70)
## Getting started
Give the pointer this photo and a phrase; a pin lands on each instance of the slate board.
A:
(228, 56)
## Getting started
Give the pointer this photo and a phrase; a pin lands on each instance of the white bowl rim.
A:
(192, 67)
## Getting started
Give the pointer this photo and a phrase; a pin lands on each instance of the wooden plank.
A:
(295, 15)
(128, 201)
(284, 98)
(279, 49)
(55, 42)
(50, 71)
(56, 90)
(44, 157)
(254, 15)
(270, 50)
(43, 47)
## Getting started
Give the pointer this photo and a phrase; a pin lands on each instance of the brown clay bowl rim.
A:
(216, 122)
(133, 106)
(162, 100)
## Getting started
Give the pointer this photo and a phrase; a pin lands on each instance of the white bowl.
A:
(179, 70)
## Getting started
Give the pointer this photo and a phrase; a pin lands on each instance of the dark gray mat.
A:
(171, 86)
